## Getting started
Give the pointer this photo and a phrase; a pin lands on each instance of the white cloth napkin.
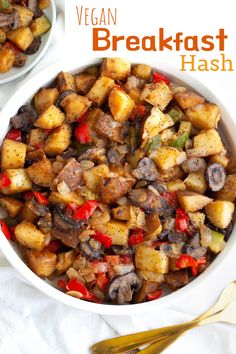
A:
(30, 322)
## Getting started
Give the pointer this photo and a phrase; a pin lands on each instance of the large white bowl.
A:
(32, 60)
(228, 125)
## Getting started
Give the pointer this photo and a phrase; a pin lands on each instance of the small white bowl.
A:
(32, 60)
(24, 95)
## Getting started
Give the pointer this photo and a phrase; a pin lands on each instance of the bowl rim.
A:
(25, 70)
(29, 87)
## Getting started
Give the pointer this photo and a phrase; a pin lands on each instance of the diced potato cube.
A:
(51, 118)
(65, 82)
(84, 82)
(117, 230)
(65, 261)
(25, 15)
(171, 174)
(221, 159)
(41, 173)
(187, 99)
(44, 4)
(42, 263)
(20, 181)
(40, 26)
(204, 115)
(13, 154)
(196, 182)
(74, 106)
(121, 213)
(3, 36)
(176, 185)
(100, 90)
(156, 123)
(167, 157)
(142, 71)
(153, 226)
(7, 59)
(37, 137)
(12, 206)
(93, 176)
(210, 141)
(66, 198)
(22, 37)
(120, 104)
(220, 213)
(152, 276)
(116, 68)
(191, 201)
(147, 258)
(197, 219)
(228, 192)
(29, 236)
(58, 141)
(45, 98)
(158, 94)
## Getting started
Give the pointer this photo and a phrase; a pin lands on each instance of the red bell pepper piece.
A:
(14, 134)
(61, 284)
(73, 206)
(102, 280)
(5, 230)
(9, 45)
(82, 118)
(75, 285)
(170, 197)
(4, 180)
(186, 261)
(54, 246)
(82, 134)
(136, 237)
(155, 295)
(103, 238)
(86, 210)
(157, 77)
(181, 214)
(99, 266)
(40, 198)
(28, 195)
(140, 111)
(126, 259)
(181, 225)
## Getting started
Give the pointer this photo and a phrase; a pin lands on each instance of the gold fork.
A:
(133, 341)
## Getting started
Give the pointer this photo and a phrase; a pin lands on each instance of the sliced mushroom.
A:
(25, 117)
(91, 249)
(11, 19)
(116, 154)
(64, 222)
(194, 164)
(70, 239)
(194, 248)
(177, 237)
(177, 279)
(121, 288)
(122, 250)
(34, 46)
(216, 176)
(96, 155)
(36, 208)
(113, 188)
(146, 169)
(20, 60)
(34, 7)
(62, 96)
(145, 199)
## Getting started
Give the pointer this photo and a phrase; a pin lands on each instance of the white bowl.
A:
(23, 95)
(32, 60)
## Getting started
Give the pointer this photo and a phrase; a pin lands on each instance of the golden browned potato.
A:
(117, 230)
(115, 187)
(11, 205)
(37, 137)
(51, 118)
(116, 68)
(65, 261)
(84, 82)
(29, 236)
(25, 15)
(228, 192)
(156, 123)
(187, 99)
(3, 36)
(153, 226)
(120, 104)
(142, 71)
(20, 181)
(196, 182)
(191, 201)
(100, 90)
(7, 59)
(66, 198)
(204, 115)
(74, 106)
(220, 213)
(158, 95)
(221, 159)
(65, 82)
(45, 98)
(13, 154)
(42, 263)
(148, 259)
(171, 174)
(209, 142)
(167, 157)
(40, 25)
(41, 173)
(176, 185)
(121, 213)
(197, 219)
(59, 140)
(148, 275)
(22, 37)
(44, 4)
(93, 176)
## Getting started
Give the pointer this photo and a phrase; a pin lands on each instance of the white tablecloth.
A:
(30, 322)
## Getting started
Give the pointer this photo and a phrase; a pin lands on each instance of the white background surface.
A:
(32, 323)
